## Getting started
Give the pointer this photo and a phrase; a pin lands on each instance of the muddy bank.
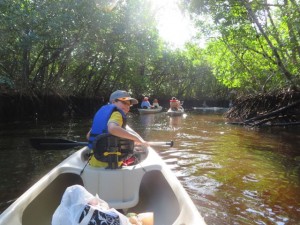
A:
(20, 108)
(16, 107)
(281, 109)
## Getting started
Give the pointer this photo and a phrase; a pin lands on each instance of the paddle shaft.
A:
(75, 144)
(61, 144)
(161, 143)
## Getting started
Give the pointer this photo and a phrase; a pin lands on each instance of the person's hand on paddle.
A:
(139, 140)
(128, 134)
(142, 142)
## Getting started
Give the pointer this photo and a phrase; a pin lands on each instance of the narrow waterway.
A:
(233, 174)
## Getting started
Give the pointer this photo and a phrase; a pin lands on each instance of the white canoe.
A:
(150, 111)
(178, 112)
(211, 109)
(149, 186)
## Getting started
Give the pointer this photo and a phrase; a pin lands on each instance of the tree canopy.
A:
(253, 46)
(91, 48)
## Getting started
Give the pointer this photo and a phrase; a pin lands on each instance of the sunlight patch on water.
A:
(171, 161)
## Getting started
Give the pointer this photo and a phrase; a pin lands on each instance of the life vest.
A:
(100, 122)
(111, 149)
(106, 147)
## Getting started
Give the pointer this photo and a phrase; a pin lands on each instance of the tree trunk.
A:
(279, 62)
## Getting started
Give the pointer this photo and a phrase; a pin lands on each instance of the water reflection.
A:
(175, 121)
(147, 119)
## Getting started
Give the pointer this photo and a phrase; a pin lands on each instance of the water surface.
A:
(233, 174)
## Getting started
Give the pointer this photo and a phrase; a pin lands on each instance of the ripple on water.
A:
(194, 138)
(202, 185)
(250, 178)
(253, 195)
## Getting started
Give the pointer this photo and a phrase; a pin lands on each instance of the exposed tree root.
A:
(282, 109)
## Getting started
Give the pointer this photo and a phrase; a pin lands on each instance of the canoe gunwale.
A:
(150, 111)
(179, 112)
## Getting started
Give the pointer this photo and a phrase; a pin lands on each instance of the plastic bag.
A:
(79, 207)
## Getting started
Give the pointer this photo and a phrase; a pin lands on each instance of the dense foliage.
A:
(253, 46)
(90, 48)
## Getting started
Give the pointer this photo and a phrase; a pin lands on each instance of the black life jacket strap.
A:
(111, 149)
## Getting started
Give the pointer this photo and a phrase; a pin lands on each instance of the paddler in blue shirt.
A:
(146, 104)
(111, 119)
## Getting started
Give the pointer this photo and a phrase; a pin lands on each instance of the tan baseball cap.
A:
(122, 96)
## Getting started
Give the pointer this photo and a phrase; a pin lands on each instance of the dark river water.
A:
(234, 175)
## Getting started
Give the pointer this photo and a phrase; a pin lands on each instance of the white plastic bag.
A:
(79, 207)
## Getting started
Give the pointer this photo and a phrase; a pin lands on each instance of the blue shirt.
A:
(145, 104)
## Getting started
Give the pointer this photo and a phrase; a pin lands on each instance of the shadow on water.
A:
(21, 165)
(234, 175)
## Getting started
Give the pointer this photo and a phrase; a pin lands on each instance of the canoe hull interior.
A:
(155, 196)
(41, 209)
(149, 186)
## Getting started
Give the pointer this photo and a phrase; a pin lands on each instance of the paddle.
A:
(62, 144)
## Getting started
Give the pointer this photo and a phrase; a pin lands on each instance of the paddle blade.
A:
(54, 143)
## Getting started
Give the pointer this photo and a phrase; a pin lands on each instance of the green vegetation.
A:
(90, 48)
(254, 46)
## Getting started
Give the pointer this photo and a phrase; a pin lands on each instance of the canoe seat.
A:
(119, 188)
